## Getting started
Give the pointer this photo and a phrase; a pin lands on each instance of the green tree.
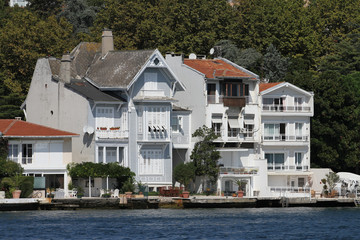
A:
(205, 155)
(79, 14)
(45, 8)
(332, 179)
(25, 38)
(184, 173)
(274, 65)
(187, 26)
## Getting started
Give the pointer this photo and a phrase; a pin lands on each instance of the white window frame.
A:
(176, 123)
(25, 156)
(107, 119)
(156, 119)
(103, 150)
(299, 131)
(151, 162)
(13, 156)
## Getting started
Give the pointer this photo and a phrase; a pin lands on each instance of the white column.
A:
(104, 154)
(66, 182)
(219, 186)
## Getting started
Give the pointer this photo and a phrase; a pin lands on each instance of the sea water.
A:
(231, 223)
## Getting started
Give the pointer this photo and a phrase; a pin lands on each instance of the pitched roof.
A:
(118, 68)
(216, 68)
(265, 86)
(89, 91)
(19, 128)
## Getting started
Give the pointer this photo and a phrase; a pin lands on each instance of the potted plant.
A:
(80, 192)
(241, 186)
(14, 184)
(114, 128)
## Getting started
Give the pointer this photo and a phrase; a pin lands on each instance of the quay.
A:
(170, 202)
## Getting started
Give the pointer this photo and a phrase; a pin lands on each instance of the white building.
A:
(119, 101)
(263, 129)
(20, 3)
(41, 151)
(139, 109)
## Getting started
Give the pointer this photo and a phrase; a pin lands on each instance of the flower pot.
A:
(16, 193)
(240, 194)
(185, 194)
(128, 194)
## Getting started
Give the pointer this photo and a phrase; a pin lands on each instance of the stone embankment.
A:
(167, 202)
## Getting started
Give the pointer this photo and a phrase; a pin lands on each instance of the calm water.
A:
(259, 223)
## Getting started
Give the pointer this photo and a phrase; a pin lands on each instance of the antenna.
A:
(192, 56)
(212, 50)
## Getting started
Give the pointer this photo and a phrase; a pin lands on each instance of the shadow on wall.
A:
(87, 139)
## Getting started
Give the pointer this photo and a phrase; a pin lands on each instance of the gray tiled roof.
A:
(118, 68)
(89, 91)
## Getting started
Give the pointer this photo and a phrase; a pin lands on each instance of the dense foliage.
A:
(313, 44)
(204, 155)
(184, 173)
(123, 175)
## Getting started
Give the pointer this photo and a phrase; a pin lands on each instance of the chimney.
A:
(65, 68)
(107, 43)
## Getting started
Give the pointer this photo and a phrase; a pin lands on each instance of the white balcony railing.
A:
(283, 167)
(239, 170)
(284, 137)
(111, 133)
(281, 108)
(291, 189)
(180, 139)
(152, 93)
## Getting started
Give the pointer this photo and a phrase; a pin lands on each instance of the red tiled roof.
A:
(18, 128)
(265, 86)
(216, 68)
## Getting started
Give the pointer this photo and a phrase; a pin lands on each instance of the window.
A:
(233, 126)
(151, 162)
(234, 89)
(273, 104)
(298, 160)
(299, 130)
(150, 81)
(156, 119)
(105, 117)
(112, 154)
(13, 153)
(249, 130)
(274, 131)
(211, 90)
(301, 182)
(216, 123)
(298, 101)
(176, 123)
(275, 160)
(27, 152)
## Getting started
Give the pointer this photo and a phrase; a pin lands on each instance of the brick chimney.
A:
(65, 68)
(107, 42)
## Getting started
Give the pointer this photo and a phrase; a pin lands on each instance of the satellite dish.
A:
(90, 130)
(212, 50)
(192, 56)
(85, 129)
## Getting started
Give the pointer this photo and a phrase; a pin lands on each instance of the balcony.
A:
(239, 170)
(282, 108)
(111, 133)
(152, 93)
(283, 137)
(229, 101)
(282, 167)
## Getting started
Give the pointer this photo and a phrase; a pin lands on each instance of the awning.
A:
(249, 121)
(216, 120)
(234, 123)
